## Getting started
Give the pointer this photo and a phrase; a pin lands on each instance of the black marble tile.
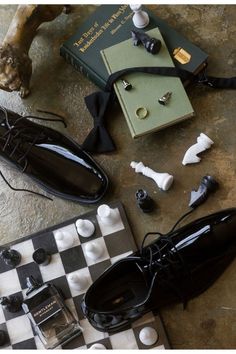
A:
(27, 270)
(73, 259)
(97, 269)
(46, 241)
(117, 243)
(62, 285)
(26, 344)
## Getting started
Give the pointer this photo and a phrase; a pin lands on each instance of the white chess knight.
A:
(203, 143)
(93, 250)
(148, 336)
(64, 239)
(78, 282)
(140, 17)
(107, 215)
(84, 227)
(163, 180)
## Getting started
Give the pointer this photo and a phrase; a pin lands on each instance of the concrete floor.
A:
(210, 319)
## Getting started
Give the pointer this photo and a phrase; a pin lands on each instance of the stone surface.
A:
(209, 320)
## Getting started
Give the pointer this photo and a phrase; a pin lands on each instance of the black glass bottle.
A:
(52, 320)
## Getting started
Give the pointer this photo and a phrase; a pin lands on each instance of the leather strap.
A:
(99, 140)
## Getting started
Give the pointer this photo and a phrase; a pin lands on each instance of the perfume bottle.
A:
(52, 320)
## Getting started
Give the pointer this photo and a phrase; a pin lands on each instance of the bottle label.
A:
(45, 310)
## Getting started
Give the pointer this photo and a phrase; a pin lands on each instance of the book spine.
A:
(82, 67)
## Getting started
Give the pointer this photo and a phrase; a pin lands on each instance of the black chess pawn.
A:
(41, 257)
(3, 338)
(11, 304)
(145, 202)
(10, 257)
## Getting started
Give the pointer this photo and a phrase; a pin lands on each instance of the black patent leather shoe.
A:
(53, 160)
(175, 268)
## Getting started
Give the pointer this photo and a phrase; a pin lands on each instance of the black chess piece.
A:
(41, 257)
(152, 45)
(32, 284)
(11, 304)
(3, 338)
(208, 185)
(10, 257)
(145, 202)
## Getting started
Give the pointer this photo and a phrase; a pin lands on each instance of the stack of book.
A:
(103, 45)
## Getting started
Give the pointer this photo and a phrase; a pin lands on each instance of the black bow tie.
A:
(99, 140)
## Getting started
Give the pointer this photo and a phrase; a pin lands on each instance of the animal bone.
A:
(15, 63)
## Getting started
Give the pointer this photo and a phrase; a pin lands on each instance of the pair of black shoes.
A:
(176, 267)
(53, 160)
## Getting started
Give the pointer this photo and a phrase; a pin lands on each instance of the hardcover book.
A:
(111, 24)
(142, 110)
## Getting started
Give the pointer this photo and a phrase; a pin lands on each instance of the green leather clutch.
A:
(143, 113)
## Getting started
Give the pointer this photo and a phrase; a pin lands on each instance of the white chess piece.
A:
(163, 180)
(148, 336)
(64, 239)
(78, 282)
(140, 18)
(203, 143)
(85, 228)
(107, 215)
(93, 250)
(97, 346)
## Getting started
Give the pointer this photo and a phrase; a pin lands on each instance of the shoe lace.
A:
(164, 259)
(17, 134)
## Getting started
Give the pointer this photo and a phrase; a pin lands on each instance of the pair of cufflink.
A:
(142, 112)
(162, 100)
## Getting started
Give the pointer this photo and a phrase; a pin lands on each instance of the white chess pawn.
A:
(64, 239)
(163, 180)
(78, 282)
(97, 346)
(148, 336)
(107, 215)
(203, 143)
(140, 18)
(85, 228)
(93, 250)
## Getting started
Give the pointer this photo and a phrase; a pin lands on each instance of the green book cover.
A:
(143, 113)
(111, 24)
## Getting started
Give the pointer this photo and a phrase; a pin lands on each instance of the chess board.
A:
(117, 242)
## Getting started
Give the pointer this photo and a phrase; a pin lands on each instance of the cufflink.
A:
(165, 98)
(127, 85)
